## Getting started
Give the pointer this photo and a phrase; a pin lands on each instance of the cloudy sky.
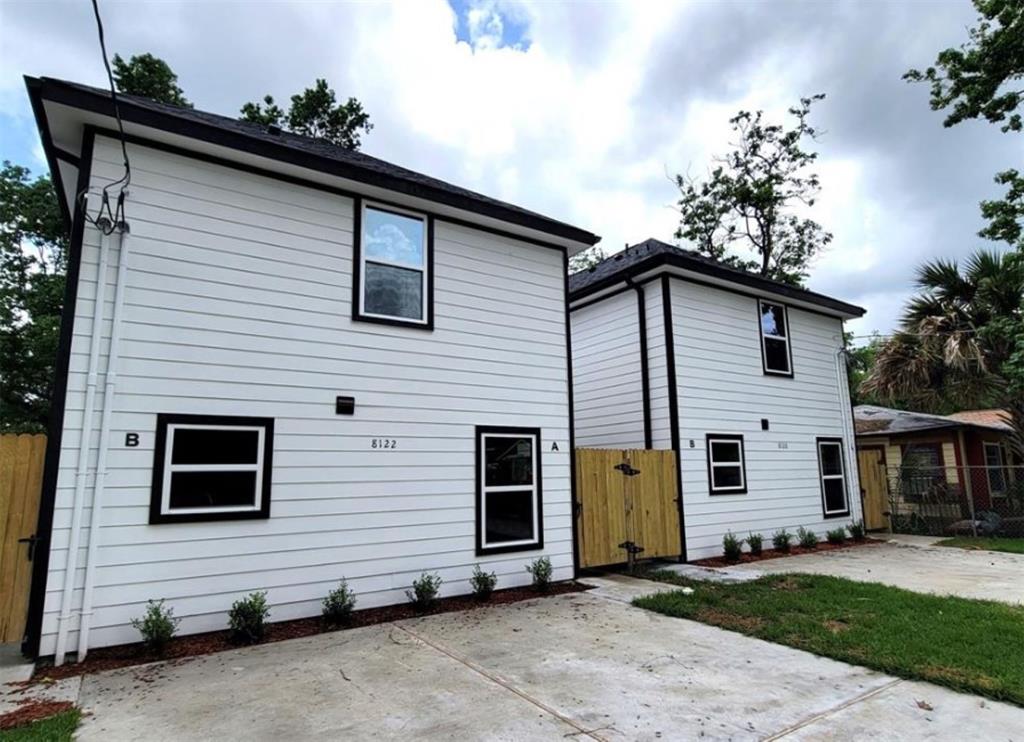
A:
(583, 110)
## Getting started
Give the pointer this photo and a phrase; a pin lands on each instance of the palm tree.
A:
(957, 338)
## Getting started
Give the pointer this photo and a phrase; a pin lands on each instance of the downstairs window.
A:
(832, 472)
(508, 489)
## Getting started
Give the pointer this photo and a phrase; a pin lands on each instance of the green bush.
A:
(157, 625)
(483, 583)
(338, 605)
(540, 569)
(836, 536)
(781, 540)
(807, 539)
(424, 592)
(856, 530)
(732, 547)
(247, 618)
(756, 543)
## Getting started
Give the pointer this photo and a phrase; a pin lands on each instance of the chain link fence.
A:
(957, 501)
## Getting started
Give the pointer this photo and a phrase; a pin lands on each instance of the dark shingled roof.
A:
(652, 253)
(314, 153)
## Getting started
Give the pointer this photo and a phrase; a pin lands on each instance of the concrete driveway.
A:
(585, 666)
(913, 564)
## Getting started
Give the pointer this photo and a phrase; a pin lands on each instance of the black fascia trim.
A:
(743, 463)
(673, 405)
(645, 381)
(62, 93)
(64, 156)
(757, 284)
(156, 517)
(821, 482)
(576, 507)
(357, 269)
(58, 401)
(760, 337)
(479, 433)
(50, 150)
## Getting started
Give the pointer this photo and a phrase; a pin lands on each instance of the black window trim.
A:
(427, 323)
(480, 432)
(845, 512)
(163, 420)
(788, 339)
(729, 437)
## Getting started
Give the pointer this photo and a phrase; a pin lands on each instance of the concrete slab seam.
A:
(835, 709)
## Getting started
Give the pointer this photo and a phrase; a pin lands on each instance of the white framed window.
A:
(995, 469)
(393, 264)
(832, 472)
(211, 468)
(509, 496)
(773, 325)
(727, 469)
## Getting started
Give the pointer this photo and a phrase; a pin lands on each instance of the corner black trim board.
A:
(645, 379)
(761, 338)
(673, 404)
(156, 514)
(58, 400)
(479, 433)
(821, 482)
(575, 509)
(708, 438)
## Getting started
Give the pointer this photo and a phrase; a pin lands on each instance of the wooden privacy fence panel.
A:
(871, 463)
(626, 496)
(21, 478)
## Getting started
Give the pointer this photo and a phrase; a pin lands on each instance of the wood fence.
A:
(21, 476)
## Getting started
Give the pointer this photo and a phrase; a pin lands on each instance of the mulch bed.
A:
(794, 550)
(30, 710)
(127, 655)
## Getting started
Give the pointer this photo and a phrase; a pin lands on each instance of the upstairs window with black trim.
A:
(727, 472)
(508, 489)
(776, 356)
(211, 468)
(832, 471)
(393, 281)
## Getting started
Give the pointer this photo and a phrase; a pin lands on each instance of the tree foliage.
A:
(150, 77)
(586, 259)
(32, 262)
(314, 113)
(754, 197)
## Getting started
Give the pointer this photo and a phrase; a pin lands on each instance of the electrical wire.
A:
(109, 218)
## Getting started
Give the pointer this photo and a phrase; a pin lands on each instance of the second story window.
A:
(392, 267)
(776, 357)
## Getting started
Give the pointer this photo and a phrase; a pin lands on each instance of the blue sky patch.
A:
(492, 22)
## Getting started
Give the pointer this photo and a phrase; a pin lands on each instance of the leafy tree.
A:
(586, 259)
(149, 77)
(751, 194)
(32, 262)
(314, 113)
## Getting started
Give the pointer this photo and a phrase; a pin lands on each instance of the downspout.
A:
(84, 445)
(109, 389)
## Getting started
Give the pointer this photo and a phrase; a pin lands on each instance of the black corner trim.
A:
(575, 504)
(673, 404)
(156, 517)
(821, 482)
(743, 463)
(480, 431)
(760, 339)
(645, 379)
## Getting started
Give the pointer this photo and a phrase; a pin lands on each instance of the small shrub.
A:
(756, 543)
(247, 618)
(836, 536)
(157, 625)
(424, 591)
(483, 583)
(781, 540)
(541, 571)
(807, 539)
(856, 530)
(732, 547)
(338, 605)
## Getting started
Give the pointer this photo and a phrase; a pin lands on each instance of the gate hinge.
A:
(631, 548)
(626, 469)
(31, 541)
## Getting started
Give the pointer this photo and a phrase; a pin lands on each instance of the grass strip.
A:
(58, 728)
(987, 543)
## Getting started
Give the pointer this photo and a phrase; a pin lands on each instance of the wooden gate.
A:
(21, 478)
(626, 497)
(871, 462)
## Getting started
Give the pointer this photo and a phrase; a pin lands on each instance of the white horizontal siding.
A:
(238, 302)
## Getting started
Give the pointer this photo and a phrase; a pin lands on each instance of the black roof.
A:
(652, 253)
(296, 149)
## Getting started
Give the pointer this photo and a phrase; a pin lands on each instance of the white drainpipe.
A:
(101, 461)
(84, 450)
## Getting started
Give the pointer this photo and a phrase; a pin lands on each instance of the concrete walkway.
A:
(586, 666)
(913, 565)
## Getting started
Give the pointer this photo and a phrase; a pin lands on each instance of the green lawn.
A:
(1009, 545)
(59, 728)
(970, 645)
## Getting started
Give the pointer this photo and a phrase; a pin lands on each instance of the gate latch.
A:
(31, 541)
(626, 469)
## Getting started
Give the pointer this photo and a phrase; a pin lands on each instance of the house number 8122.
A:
(383, 443)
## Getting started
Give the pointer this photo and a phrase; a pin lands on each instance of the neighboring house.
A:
(743, 377)
(930, 457)
(308, 364)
